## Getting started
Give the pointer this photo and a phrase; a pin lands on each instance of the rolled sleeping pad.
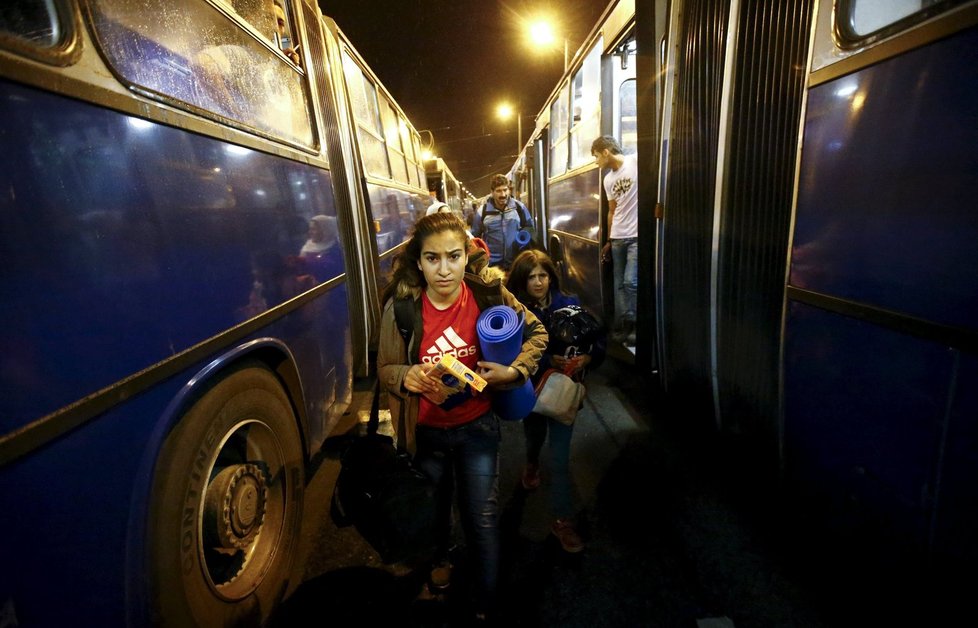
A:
(500, 331)
(523, 238)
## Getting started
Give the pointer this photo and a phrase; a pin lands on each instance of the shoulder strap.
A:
(374, 422)
(521, 209)
(404, 317)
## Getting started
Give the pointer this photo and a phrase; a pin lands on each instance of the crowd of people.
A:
(449, 273)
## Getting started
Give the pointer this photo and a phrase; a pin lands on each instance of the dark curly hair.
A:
(520, 271)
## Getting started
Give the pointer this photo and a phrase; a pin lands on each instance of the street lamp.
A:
(504, 111)
(542, 35)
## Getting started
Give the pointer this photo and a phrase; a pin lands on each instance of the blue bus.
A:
(201, 201)
(444, 186)
(808, 278)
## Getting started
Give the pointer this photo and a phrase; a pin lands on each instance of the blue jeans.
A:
(467, 456)
(624, 255)
(535, 428)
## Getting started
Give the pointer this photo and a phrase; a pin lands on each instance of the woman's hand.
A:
(417, 380)
(497, 374)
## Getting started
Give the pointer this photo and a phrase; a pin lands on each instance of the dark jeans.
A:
(467, 458)
(535, 427)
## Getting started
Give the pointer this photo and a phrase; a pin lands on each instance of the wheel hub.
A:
(235, 506)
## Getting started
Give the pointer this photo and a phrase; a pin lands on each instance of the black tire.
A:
(226, 505)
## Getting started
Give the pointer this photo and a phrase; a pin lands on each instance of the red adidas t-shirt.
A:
(452, 330)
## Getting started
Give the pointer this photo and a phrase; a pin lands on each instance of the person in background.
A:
(455, 441)
(533, 279)
(321, 251)
(437, 206)
(282, 36)
(621, 249)
(499, 220)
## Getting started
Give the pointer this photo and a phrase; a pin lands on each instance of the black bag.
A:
(391, 503)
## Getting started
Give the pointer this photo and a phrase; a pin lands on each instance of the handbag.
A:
(559, 396)
(389, 501)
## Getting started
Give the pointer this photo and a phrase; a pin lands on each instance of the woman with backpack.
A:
(577, 344)
(441, 286)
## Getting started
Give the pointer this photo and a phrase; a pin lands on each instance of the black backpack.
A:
(522, 209)
(573, 330)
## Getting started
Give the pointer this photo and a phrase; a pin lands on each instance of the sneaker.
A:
(531, 476)
(440, 577)
(565, 533)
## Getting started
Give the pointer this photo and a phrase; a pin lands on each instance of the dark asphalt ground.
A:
(681, 532)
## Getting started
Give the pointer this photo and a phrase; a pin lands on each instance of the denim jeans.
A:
(535, 427)
(466, 458)
(624, 254)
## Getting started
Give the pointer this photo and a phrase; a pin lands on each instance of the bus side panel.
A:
(886, 204)
(574, 209)
(865, 409)
(885, 222)
(66, 509)
(126, 242)
(957, 499)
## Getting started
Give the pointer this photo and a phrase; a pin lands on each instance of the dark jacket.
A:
(499, 229)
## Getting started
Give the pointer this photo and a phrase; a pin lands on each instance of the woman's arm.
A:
(396, 376)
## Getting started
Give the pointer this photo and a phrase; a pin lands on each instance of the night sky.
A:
(448, 63)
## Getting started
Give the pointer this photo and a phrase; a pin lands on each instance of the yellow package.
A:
(454, 376)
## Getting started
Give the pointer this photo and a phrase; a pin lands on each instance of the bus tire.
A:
(226, 506)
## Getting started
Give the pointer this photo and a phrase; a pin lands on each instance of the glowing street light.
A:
(504, 111)
(542, 36)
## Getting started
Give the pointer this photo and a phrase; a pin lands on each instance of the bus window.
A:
(36, 23)
(284, 35)
(558, 134)
(363, 96)
(628, 117)
(586, 106)
(198, 56)
(419, 158)
(392, 134)
(858, 19)
(410, 143)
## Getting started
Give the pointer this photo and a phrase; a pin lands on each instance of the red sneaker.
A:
(565, 533)
(531, 477)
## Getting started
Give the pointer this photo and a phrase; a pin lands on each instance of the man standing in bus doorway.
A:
(499, 222)
(621, 249)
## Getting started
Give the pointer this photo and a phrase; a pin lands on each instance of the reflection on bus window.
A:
(34, 22)
(198, 56)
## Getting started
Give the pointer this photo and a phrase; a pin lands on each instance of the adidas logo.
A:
(448, 343)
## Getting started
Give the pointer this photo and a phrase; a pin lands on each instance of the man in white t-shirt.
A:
(621, 189)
